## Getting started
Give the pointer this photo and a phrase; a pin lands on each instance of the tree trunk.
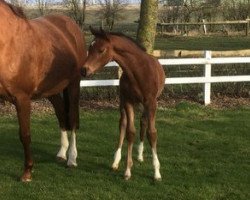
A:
(147, 24)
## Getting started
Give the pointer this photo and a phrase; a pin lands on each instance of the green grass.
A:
(126, 25)
(214, 43)
(204, 154)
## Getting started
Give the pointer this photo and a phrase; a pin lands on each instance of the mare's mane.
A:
(18, 11)
(129, 38)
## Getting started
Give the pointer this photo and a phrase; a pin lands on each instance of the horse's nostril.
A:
(83, 71)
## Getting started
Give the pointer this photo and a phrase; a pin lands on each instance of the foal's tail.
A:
(66, 108)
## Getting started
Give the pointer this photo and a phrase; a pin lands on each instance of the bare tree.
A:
(111, 11)
(20, 3)
(236, 9)
(42, 6)
(77, 10)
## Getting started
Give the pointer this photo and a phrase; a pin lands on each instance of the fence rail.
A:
(204, 23)
(207, 79)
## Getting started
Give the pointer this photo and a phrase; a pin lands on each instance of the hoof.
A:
(26, 178)
(140, 159)
(71, 166)
(126, 178)
(158, 179)
(60, 159)
(115, 167)
(127, 175)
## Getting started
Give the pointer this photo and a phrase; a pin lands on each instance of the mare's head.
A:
(99, 54)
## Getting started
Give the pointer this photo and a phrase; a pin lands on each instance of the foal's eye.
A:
(102, 51)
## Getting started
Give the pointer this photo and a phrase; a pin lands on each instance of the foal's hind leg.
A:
(130, 135)
(58, 104)
(152, 137)
(122, 128)
(23, 108)
(143, 129)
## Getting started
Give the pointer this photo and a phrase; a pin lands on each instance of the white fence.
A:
(207, 79)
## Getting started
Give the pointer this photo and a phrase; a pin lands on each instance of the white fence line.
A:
(207, 79)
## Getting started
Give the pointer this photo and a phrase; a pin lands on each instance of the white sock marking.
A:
(156, 165)
(117, 159)
(128, 173)
(140, 152)
(72, 150)
(64, 145)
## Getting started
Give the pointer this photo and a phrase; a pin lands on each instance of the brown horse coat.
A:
(40, 58)
(142, 82)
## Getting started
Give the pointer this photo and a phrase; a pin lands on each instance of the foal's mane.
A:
(18, 11)
(102, 34)
(129, 38)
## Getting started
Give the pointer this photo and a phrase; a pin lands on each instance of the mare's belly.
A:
(49, 90)
(2, 91)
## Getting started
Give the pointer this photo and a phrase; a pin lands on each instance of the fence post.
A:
(247, 26)
(207, 86)
(204, 26)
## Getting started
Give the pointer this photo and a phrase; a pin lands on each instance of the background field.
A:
(126, 24)
(204, 154)
(217, 42)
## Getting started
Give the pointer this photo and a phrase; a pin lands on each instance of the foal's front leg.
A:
(23, 108)
(130, 134)
(122, 127)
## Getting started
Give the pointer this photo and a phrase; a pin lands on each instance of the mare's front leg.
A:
(23, 108)
(74, 95)
(59, 107)
(122, 128)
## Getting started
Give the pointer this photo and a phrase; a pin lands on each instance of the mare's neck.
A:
(9, 21)
(6, 13)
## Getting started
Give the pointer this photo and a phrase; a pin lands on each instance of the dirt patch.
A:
(227, 102)
(44, 106)
(40, 106)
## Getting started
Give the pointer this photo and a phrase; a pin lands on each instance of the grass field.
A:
(127, 25)
(214, 43)
(204, 154)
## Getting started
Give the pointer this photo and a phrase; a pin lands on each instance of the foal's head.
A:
(99, 54)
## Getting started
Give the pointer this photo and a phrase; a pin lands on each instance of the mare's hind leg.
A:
(23, 108)
(143, 129)
(58, 104)
(152, 137)
(122, 128)
(130, 135)
(73, 95)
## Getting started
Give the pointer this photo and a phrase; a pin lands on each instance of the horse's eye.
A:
(102, 51)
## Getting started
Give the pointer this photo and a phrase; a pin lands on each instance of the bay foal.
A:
(142, 82)
(41, 58)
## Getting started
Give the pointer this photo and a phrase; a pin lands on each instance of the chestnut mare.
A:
(41, 58)
(142, 82)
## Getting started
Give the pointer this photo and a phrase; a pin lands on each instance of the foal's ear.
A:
(99, 33)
